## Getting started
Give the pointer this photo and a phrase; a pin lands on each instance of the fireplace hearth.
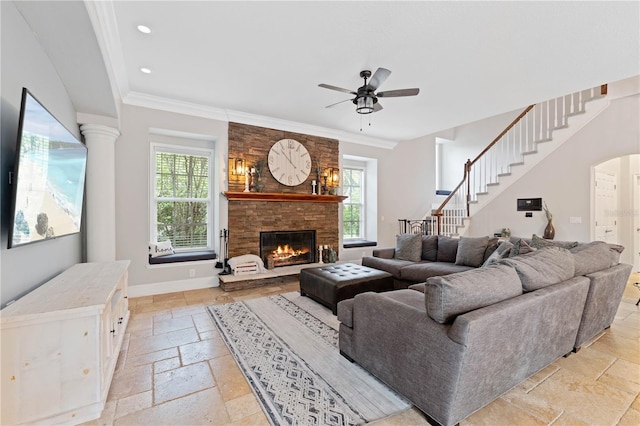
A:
(285, 248)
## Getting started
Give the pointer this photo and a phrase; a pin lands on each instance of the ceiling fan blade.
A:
(398, 93)
(339, 89)
(377, 107)
(379, 77)
(332, 105)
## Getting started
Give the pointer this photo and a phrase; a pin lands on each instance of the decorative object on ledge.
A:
(549, 231)
(279, 196)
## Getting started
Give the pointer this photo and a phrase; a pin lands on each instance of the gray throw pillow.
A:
(492, 245)
(430, 247)
(447, 249)
(520, 247)
(471, 251)
(409, 247)
(537, 242)
(502, 251)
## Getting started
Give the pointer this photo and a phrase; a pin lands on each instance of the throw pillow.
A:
(492, 245)
(520, 247)
(161, 249)
(430, 247)
(502, 251)
(471, 251)
(537, 242)
(447, 249)
(409, 247)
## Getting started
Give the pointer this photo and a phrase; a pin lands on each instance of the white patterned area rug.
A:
(287, 348)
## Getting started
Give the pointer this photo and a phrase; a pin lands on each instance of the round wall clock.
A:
(289, 162)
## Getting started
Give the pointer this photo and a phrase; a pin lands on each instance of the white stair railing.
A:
(534, 125)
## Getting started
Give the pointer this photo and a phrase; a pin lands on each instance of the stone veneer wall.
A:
(248, 218)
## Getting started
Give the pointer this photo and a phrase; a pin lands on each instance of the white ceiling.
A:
(257, 61)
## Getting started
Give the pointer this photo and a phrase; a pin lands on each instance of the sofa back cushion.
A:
(430, 247)
(408, 247)
(447, 249)
(595, 256)
(542, 268)
(471, 251)
(451, 295)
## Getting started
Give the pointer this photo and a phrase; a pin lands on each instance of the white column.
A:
(100, 192)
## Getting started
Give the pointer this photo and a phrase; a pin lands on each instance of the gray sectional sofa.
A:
(462, 340)
(430, 256)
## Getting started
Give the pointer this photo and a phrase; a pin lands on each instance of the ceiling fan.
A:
(366, 98)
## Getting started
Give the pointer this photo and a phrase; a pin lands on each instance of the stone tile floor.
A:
(174, 369)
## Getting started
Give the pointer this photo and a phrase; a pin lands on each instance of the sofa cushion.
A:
(451, 295)
(447, 249)
(419, 272)
(391, 266)
(544, 267)
(409, 247)
(345, 312)
(537, 242)
(159, 249)
(595, 256)
(471, 251)
(501, 252)
(418, 287)
(430, 247)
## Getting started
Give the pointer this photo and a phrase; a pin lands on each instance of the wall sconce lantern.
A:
(335, 176)
(237, 167)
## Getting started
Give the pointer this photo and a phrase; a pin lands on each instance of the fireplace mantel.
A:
(280, 196)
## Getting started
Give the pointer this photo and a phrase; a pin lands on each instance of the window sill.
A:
(359, 243)
(183, 257)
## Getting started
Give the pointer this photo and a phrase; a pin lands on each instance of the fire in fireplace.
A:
(285, 248)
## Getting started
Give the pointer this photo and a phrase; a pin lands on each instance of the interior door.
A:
(606, 206)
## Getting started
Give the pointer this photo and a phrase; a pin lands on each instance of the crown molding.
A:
(187, 108)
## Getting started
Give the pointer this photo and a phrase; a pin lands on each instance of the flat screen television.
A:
(48, 178)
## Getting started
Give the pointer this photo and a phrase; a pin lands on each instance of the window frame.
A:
(363, 202)
(209, 153)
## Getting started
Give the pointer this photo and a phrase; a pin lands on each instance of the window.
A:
(182, 206)
(353, 210)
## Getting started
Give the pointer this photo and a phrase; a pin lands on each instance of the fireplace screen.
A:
(285, 248)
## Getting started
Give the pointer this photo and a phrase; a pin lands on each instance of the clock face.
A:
(289, 162)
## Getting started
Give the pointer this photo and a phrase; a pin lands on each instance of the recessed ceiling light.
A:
(144, 29)
(145, 70)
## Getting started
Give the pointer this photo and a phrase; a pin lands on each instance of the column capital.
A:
(89, 130)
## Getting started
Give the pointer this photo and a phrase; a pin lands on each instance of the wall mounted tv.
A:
(48, 179)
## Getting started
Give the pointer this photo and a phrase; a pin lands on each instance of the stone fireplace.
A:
(285, 248)
(279, 207)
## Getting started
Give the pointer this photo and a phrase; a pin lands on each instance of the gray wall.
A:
(563, 179)
(132, 189)
(25, 64)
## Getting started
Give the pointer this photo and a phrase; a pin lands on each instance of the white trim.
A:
(164, 287)
(164, 104)
(208, 153)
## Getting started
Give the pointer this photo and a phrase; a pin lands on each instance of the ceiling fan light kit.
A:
(366, 99)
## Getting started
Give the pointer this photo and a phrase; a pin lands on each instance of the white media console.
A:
(60, 344)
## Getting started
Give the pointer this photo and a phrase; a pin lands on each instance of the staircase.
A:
(538, 131)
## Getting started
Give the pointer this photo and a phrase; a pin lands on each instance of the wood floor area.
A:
(174, 369)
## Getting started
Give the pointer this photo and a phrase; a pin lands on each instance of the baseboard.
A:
(151, 289)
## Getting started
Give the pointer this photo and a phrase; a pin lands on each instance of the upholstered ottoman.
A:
(332, 283)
